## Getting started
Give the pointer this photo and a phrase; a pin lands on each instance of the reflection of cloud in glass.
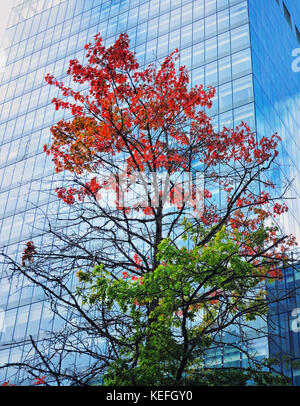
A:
(289, 162)
(2, 317)
(2, 60)
(26, 9)
(6, 7)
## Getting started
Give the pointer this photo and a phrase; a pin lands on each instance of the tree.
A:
(180, 254)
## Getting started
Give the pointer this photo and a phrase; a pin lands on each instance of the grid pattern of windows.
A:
(213, 39)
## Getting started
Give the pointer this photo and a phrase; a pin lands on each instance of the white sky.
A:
(5, 7)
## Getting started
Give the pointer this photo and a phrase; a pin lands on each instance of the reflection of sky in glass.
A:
(213, 39)
(2, 60)
(291, 168)
(277, 95)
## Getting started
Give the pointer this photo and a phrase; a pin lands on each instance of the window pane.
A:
(241, 63)
(210, 50)
(198, 54)
(224, 70)
(242, 91)
(210, 26)
(245, 114)
(211, 74)
(21, 322)
(225, 97)
(223, 21)
(238, 15)
(240, 38)
(198, 11)
(186, 36)
(223, 44)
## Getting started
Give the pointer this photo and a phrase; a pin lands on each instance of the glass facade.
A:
(274, 28)
(277, 91)
(283, 324)
(213, 37)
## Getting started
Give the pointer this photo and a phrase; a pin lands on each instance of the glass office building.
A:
(275, 44)
(283, 324)
(243, 48)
